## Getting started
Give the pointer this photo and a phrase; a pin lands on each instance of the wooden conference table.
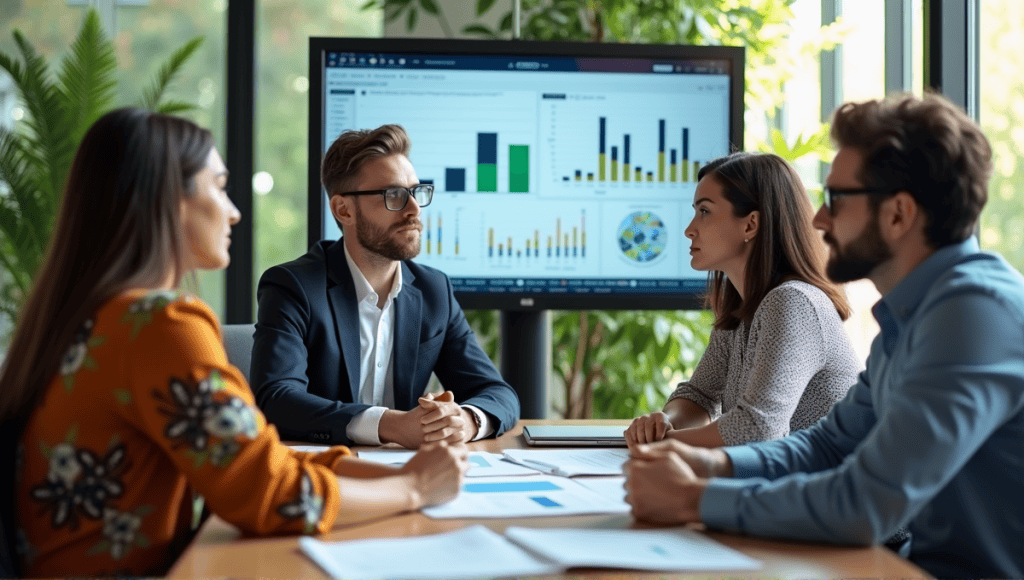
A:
(220, 551)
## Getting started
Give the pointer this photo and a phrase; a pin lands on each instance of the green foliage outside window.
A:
(619, 364)
(36, 155)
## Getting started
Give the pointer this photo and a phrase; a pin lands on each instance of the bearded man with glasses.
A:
(348, 334)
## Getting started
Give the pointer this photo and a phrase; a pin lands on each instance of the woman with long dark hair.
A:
(122, 394)
(778, 357)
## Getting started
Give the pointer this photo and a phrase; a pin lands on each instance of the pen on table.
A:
(545, 467)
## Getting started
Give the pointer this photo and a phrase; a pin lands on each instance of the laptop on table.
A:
(575, 435)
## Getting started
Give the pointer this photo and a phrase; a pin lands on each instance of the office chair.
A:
(238, 344)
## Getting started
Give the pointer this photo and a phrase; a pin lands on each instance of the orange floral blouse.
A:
(145, 412)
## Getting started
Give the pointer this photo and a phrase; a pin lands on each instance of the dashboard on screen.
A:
(564, 173)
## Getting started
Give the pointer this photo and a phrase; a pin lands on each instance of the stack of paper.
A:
(473, 552)
(518, 497)
(478, 552)
(481, 464)
(571, 462)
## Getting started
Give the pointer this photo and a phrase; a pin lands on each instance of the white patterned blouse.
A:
(781, 373)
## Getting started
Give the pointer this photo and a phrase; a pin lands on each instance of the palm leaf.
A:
(172, 107)
(151, 97)
(21, 172)
(49, 140)
(86, 78)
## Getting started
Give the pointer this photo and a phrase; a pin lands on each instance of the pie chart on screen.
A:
(642, 236)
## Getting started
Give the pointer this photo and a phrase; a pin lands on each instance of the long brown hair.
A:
(786, 246)
(118, 228)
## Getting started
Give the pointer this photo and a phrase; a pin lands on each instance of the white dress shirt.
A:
(376, 366)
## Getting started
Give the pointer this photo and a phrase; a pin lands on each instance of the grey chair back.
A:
(238, 344)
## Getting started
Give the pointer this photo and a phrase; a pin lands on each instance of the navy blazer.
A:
(305, 356)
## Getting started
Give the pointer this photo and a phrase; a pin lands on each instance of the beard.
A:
(383, 241)
(859, 257)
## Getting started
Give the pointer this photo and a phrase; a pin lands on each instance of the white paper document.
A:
(571, 462)
(473, 552)
(476, 551)
(514, 497)
(481, 464)
(609, 487)
(676, 549)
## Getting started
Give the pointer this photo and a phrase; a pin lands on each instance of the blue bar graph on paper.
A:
(478, 461)
(546, 501)
(505, 486)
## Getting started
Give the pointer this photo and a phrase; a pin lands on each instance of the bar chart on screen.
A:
(489, 147)
(625, 140)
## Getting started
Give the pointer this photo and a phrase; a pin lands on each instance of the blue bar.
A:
(661, 135)
(601, 135)
(455, 179)
(615, 153)
(625, 149)
(478, 461)
(487, 148)
(672, 157)
(686, 143)
(505, 486)
(546, 501)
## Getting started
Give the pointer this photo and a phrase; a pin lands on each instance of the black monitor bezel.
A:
(319, 46)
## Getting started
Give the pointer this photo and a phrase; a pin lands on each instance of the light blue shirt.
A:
(931, 437)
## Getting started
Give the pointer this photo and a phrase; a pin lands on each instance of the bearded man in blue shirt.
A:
(932, 435)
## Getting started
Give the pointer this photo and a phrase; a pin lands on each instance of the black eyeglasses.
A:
(397, 197)
(830, 193)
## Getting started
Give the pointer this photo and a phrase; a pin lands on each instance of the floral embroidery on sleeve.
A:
(121, 532)
(79, 482)
(77, 355)
(140, 312)
(309, 506)
(206, 420)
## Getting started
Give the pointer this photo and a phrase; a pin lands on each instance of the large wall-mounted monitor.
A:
(564, 173)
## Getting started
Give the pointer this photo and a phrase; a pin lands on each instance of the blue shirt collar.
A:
(895, 308)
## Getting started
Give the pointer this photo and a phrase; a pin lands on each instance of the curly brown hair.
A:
(928, 147)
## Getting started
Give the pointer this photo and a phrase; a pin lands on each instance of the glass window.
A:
(145, 37)
(1002, 107)
(280, 182)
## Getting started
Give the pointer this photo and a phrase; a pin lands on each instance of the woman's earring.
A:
(745, 240)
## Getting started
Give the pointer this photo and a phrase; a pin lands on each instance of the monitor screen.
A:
(564, 173)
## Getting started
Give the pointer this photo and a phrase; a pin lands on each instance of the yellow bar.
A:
(696, 169)
(625, 172)
(686, 171)
(615, 170)
(558, 235)
(574, 244)
(672, 172)
(639, 175)
(661, 166)
(600, 166)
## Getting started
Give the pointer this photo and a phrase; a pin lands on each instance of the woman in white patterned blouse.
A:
(778, 357)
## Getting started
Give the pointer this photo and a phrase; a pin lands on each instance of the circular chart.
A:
(642, 236)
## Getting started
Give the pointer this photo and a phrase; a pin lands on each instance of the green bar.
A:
(600, 166)
(486, 177)
(518, 168)
(661, 166)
